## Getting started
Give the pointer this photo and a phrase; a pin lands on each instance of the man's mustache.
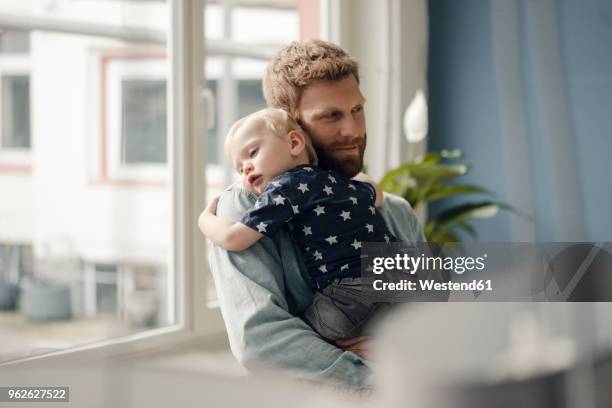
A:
(358, 141)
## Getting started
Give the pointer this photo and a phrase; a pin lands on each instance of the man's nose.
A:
(350, 127)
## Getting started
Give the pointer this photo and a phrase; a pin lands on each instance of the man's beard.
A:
(348, 165)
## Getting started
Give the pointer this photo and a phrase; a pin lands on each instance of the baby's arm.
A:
(361, 176)
(233, 236)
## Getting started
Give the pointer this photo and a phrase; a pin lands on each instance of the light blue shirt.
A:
(264, 289)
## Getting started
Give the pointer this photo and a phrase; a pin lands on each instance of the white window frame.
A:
(196, 322)
(119, 70)
(18, 64)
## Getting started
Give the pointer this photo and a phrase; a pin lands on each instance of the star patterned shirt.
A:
(328, 215)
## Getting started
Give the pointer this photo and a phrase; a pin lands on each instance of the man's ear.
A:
(297, 142)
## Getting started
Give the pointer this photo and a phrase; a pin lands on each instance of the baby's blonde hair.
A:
(278, 122)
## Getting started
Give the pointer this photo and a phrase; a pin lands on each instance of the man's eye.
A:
(332, 115)
(253, 152)
(357, 109)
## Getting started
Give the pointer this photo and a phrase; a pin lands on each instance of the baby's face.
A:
(259, 156)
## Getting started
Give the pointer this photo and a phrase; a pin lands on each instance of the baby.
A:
(328, 215)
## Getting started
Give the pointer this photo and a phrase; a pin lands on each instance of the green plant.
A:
(428, 180)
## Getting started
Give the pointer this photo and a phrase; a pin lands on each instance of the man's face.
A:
(332, 114)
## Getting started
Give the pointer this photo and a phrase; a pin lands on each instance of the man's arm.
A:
(260, 292)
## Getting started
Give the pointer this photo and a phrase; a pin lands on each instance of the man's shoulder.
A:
(396, 203)
(234, 201)
(401, 219)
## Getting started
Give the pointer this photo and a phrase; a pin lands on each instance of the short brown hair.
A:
(298, 65)
(278, 122)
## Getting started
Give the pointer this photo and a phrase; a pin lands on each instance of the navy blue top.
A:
(329, 216)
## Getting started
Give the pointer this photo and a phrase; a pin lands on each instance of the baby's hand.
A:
(378, 200)
(211, 208)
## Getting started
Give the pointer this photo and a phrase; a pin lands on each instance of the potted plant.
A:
(429, 179)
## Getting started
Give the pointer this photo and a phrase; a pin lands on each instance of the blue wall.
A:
(465, 112)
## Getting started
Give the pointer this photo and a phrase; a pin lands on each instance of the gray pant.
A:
(341, 310)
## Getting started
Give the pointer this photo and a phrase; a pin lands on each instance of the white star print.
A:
(346, 215)
(308, 168)
(332, 239)
(354, 200)
(328, 190)
(257, 204)
(387, 238)
(370, 227)
(319, 210)
(276, 183)
(372, 209)
(356, 244)
(303, 187)
(352, 186)
(332, 178)
(307, 230)
(295, 209)
(323, 268)
(261, 227)
(279, 200)
(343, 267)
(317, 255)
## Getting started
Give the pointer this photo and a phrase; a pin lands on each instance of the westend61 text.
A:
(403, 285)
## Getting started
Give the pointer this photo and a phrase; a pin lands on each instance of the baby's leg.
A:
(341, 310)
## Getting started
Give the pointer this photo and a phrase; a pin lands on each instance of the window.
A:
(235, 81)
(119, 249)
(84, 261)
(134, 138)
(15, 111)
(250, 99)
(143, 130)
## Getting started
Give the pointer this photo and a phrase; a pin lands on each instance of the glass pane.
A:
(86, 237)
(235, 81)
(250, 96)
(144, 121)
(16, 111)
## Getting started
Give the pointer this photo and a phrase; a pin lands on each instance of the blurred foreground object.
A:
(490, 354)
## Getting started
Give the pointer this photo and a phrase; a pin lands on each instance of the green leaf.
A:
(421, 178)
(457, 214)
(426, 180)
(468, 228)
(440, 238)
(440, 191)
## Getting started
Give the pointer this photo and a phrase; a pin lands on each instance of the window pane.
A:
(16, 111)
(144, 121)
(250, 96)
(86, 245)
